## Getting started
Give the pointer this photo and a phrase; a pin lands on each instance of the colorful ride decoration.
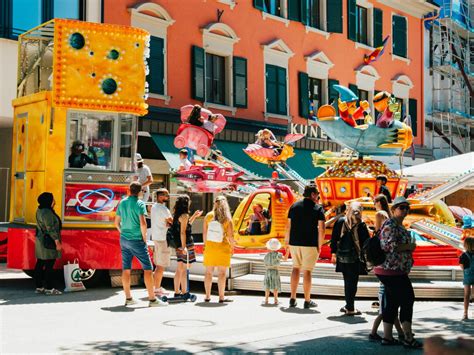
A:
(367, 139)
(347, 180)
(208, 177)
(268, 155)
(377, 53)
(195, 137)
(276, 199)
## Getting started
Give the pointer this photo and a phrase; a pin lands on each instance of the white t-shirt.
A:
(209, 126)
(185, 163)
(143, 174)
(159, 227)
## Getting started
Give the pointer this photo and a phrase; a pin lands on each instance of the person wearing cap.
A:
(381, 181)
(348, 236)
(79, 159)
(185, 164)
(217, 254)
(161, 220)
(144, 177)
(304, 236)
(272, 260)
(397, 243)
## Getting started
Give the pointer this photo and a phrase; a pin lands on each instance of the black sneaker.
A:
(309, 304)
(293, 302)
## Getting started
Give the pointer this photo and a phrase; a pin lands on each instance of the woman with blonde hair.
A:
(218, 237)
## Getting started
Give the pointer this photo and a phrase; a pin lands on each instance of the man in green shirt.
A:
(131, 224)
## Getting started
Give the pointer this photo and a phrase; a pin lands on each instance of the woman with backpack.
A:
(396, 242)
(218, 237)
(348, 235)
(181, 230)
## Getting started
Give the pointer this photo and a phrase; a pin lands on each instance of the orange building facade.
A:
(272, 61)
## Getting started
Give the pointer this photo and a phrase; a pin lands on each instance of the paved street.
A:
(96, 321)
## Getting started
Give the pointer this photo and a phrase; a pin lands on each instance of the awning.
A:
(302, 162)
(167, 148)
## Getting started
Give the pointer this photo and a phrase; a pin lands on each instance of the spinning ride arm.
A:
(289, 173)
(446, 234)
(447, 188)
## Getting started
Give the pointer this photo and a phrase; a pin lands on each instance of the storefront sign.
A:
(310, 131)
(92, 202)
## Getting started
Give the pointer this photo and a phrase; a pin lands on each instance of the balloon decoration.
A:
(100, 67)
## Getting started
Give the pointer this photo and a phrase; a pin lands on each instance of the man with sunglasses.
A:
(397, 243)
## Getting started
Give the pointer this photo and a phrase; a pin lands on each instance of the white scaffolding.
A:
(453, 77)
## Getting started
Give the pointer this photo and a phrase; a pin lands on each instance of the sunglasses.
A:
(404, 208)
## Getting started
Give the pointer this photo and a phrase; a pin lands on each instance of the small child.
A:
(185, 164)
(210, 124)
(467, 264)
(272, 276)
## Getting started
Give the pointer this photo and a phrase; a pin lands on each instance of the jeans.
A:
(44, 273)
(135, 248)
(398, 294)
(350, 272)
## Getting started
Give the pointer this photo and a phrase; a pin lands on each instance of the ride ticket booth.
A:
(81, 88)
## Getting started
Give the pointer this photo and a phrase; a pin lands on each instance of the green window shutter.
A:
(413, 111)
(281, 94)
(351, 20)
(271, 88)
(355, 90)
(156, 65)
(334, 16)
(399, 30)
(303, 94)
(332, 93)
(304, 11)
(294, 10)
(378, 27)
(258, 4)
(197, 83)
(240, 82)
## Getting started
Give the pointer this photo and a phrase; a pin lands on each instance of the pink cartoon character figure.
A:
(195, 129)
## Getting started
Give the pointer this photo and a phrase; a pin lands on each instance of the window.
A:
(215, 79)
(22, 20)
(363, 95)
(156, 65)
(276, 89)
(399, 32)
(66, 9)
(315, 94)
(127, 146)
(314, 13)
(361, 25)
(273, 7)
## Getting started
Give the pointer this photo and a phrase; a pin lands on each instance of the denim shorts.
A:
(135, 248)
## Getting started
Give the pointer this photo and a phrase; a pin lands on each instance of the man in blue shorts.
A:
(131, 224)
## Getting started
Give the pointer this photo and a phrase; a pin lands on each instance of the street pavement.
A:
(96, 321)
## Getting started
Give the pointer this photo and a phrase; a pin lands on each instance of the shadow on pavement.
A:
(296, 310)
(126, 347)
(348, 319)
(210, 304)
(428, 325)
(121, 309)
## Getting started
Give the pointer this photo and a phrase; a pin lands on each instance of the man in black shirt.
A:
(305, 235)
(79, 159)
(381, 181)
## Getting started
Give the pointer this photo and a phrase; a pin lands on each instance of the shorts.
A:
(382, 300)
(181, 256)
(304, 258)
(135, 248)
(162, 253)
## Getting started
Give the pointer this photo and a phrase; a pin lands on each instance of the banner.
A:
(92, 202)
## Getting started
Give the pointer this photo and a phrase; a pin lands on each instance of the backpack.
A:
(173, 237)
(215, 233)
(372, 250)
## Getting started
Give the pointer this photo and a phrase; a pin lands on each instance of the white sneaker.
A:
(52, 292)
(157, 303)
(130, 301)
(39, 290)
(161, 292)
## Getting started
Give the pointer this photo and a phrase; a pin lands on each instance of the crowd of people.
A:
(304, 238)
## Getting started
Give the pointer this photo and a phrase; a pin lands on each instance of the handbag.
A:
(361, 256)
(48, 242)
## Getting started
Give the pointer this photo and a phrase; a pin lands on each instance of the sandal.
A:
(355, 312)
(52, 292)
(226, 300)
(207, 300)
(390, 342)
(39, 290)
(343, 310)
(412, 344)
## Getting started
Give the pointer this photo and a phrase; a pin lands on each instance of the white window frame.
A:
(222, 45)
(366, 76)
(231, 3)
(276, 53)
(401, 86)
(394, 56)
(284, 14)
(323, 18)
(157, 26)
(317, 66)
(370, 25)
